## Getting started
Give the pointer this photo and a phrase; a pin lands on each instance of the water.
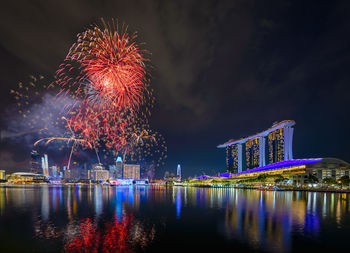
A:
(173, 219)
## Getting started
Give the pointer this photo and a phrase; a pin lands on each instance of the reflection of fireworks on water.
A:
(124, 235)
(141, 237)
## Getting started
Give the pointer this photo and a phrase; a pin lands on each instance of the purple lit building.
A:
(270, 152)
(266, 147)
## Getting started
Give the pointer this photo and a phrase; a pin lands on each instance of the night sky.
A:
(220, 69)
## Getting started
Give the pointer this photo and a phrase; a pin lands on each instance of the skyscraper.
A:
(2, 175)
(98, 173)
(45, 165)
(112, 168)
(34, 161)
(178, 171)
(119, 169)
(131, 171)
(54, 171)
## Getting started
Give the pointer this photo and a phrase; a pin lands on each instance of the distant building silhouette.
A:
(166, 174)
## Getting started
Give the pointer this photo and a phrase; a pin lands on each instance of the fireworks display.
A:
(42, 115)
(27, 95)
(104, 80)
(106, 69)
(149, 149)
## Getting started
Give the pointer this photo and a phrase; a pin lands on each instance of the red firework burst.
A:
(105, 68)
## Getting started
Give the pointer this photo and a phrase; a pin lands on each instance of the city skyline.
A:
(244, 66)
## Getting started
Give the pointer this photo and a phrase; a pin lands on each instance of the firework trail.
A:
(72, 138)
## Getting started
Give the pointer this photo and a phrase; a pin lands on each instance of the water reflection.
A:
(84, 227)
(98, 218)
(178, 203)
(120, 235)
(269, 219)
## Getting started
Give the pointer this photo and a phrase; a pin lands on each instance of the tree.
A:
(279, 179)
(262, 177)
(329, 180)
(311, 179)
(344, 180)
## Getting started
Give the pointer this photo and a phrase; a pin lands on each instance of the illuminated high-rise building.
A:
(276, 146)
(252, 153)
(2, 175)
(112, 170)
(234, 157)
(178, 170)
(54, 171)
(131, 171)
(270, 146)
(119, 168)
(35, 162)
(229, 158)
(45, 165)
(98, 173)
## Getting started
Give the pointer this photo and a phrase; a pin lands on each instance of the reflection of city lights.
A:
(100, 218)
(45, 207)
(178, 203)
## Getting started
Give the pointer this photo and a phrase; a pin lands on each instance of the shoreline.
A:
(271, 189)
(4, 185)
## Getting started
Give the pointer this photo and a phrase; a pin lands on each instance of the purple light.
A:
(227, 174)
(272, 166)
(201, 177)
(282, 164)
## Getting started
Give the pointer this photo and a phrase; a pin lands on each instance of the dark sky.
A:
(222, 69)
